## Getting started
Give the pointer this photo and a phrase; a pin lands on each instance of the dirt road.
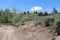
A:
(7, 33)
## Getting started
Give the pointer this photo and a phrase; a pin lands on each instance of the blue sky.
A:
(28, 5)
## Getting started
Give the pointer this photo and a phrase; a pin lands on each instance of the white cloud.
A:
(36, 8)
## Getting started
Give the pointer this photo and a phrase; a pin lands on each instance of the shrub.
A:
(49, 22)
(52, 20)
(58, 24)
(58, 28)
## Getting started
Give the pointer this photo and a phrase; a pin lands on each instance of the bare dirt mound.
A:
(31, 31)
(28, 31)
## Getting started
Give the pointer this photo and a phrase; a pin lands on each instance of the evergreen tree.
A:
(27, 12)
(45, 13)
(24, 12)
(40, 14)
(35, 12)
(54, 11)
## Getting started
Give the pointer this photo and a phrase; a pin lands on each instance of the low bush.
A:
(48, 22)
(58, 28)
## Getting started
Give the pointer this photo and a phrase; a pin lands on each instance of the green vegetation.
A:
(42, 18)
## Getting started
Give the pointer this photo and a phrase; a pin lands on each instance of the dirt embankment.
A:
(28, 31)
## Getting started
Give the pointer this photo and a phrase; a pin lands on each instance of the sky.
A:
(30, 5)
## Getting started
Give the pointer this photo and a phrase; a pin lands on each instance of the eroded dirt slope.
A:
(29, 31)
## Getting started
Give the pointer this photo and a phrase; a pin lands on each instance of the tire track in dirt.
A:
(7, 34)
